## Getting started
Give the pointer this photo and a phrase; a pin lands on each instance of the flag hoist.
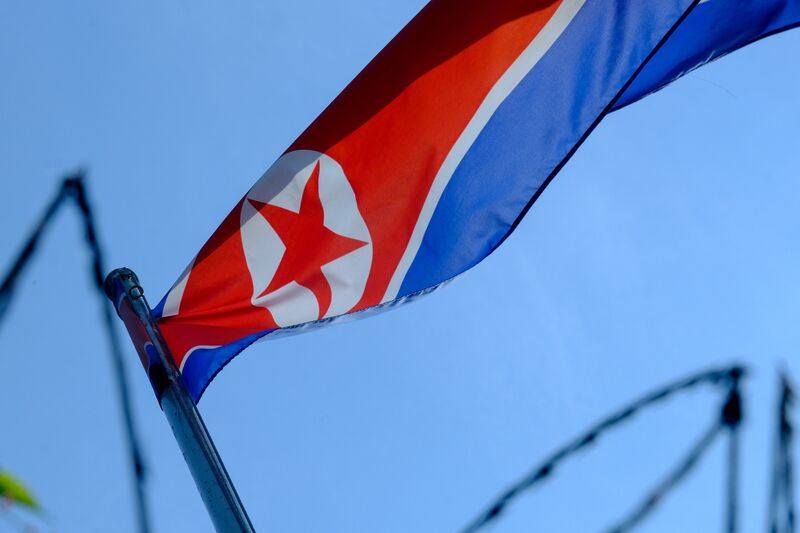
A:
(215, 485)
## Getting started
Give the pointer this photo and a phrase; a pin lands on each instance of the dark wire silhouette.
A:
(730, 419)
(7, 287)
(781, 501)
(675, 476)
(731, 416)
(73, 189)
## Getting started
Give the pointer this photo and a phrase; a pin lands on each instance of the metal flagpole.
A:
(212, 480)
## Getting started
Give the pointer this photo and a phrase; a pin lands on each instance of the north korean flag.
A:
(426, 162)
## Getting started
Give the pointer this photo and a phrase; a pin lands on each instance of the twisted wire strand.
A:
(73, 189)
(495, 509)
(650, 502)
(11, 278)
(781, 513)
(729, 418)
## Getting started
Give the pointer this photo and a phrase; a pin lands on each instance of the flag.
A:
(427, 161)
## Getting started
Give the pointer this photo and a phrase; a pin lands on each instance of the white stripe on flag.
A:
(173, 303)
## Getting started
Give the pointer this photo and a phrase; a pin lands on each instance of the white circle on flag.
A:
(283, 186)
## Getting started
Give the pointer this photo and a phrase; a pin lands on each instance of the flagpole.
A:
(212, 480)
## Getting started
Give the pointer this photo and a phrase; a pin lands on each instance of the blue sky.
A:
(668, 244)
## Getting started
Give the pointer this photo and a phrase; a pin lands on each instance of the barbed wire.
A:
(781, 503)
(73, 188)
(732, 415)
(727, 376)
(729, 418)
(675, 476)
(10, 280)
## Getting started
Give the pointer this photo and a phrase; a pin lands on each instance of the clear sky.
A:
(669, 243)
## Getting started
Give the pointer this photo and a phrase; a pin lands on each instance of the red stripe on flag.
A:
(393, 126)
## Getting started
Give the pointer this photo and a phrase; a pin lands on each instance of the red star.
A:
(309, 244)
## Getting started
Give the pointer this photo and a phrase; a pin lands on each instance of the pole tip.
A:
(118, 280)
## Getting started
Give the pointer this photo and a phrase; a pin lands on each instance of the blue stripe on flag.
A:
(205, 363)
(535, 130)
(713, 29)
